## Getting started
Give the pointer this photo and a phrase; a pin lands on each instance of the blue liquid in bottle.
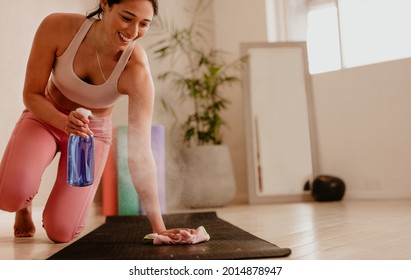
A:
(80, 160)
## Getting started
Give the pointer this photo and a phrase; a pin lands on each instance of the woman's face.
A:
(127, 21)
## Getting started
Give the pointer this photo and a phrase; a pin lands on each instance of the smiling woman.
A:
(93, 62)
(138, 23)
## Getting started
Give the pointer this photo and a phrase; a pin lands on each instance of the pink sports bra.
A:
(78, 91)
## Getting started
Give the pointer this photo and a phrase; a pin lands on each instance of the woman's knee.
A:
(61, 234)
(12, 201)
(61, 231)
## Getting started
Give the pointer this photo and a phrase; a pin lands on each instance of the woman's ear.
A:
(103, 4)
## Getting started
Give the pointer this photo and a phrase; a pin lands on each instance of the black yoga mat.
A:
(121, 238)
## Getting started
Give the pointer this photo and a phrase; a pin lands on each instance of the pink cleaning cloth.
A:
(184, 237)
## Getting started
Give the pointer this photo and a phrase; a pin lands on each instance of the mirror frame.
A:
(252, 166)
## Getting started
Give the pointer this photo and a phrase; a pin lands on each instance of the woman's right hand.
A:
(174, 233)
(77, 124)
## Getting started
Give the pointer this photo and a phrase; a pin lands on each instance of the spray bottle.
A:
(80, 157)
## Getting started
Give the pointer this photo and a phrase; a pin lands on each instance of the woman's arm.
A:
(140, 89)
(53, 34)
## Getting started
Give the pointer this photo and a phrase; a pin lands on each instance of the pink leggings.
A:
(31, 148)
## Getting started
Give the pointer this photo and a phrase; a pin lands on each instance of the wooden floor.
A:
(346, 230)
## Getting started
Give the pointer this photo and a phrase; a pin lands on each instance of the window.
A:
(323, 42)
(374, 30)
(350, 33)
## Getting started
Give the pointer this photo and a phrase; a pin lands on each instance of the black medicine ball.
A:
(328, 188)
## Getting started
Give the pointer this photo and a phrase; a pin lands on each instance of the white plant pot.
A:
(209, 177)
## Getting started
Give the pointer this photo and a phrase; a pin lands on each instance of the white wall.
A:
(364, 128)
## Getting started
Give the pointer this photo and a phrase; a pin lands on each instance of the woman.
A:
(92, 64)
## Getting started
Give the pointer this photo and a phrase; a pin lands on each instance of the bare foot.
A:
(23, 224)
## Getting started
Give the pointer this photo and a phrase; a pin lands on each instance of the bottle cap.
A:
(84, 112)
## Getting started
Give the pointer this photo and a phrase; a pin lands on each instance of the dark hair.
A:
(99, 10)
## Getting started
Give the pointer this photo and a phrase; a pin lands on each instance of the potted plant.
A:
(201, 78)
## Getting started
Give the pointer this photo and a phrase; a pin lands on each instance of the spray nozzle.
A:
(84, 112)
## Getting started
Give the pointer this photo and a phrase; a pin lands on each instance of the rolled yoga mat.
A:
(128, 201)
(158, 147)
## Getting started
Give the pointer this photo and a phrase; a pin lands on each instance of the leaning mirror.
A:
(279, 122)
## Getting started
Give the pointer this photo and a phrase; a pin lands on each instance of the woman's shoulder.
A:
(139, 62)
(136, 72)
(63, 22)
(138, 56)
(60, 28)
